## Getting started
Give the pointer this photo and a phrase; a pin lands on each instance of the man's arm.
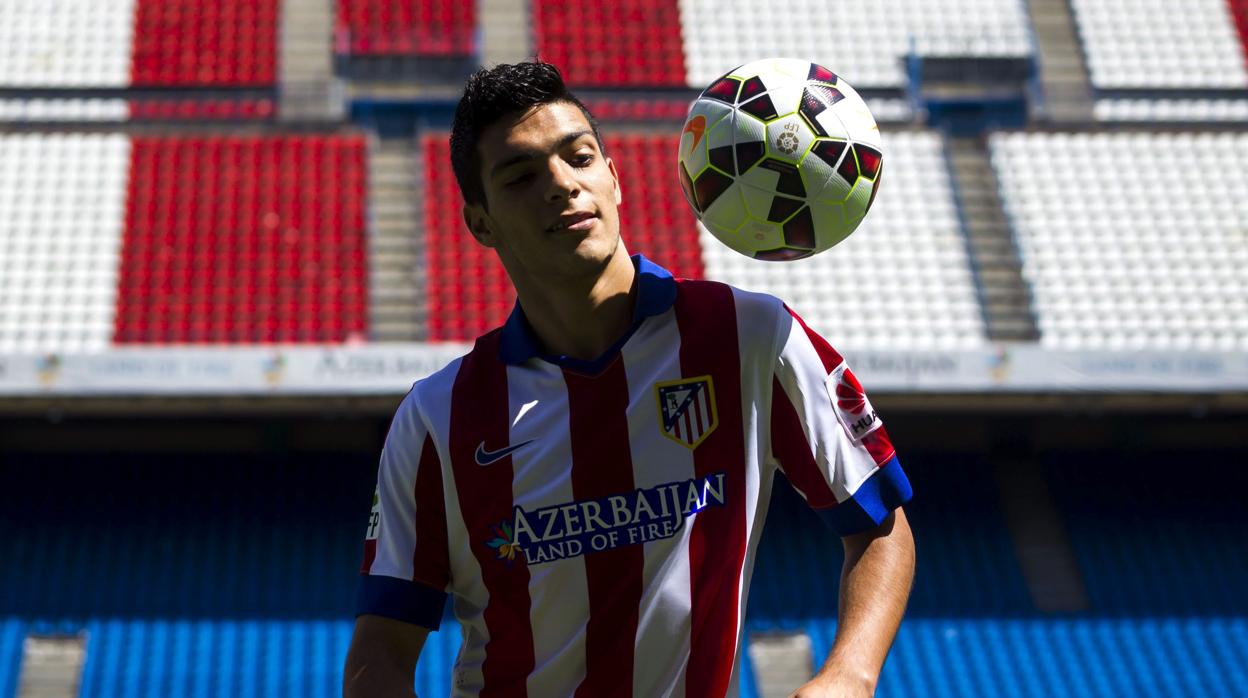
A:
(875, 585)
(381, 662)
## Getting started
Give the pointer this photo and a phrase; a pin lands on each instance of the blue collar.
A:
(656, 291)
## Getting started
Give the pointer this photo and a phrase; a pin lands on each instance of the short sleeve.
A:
(405, 574)
(826, 437)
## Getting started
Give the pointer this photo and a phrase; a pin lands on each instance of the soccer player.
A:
(589, 483)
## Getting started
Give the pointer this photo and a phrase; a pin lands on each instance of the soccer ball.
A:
(780, 159)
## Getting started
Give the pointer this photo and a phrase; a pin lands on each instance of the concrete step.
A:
(51, 666)
(396, 314)
(393, 234)
(404, 335)
(994, 258)
(396, 256)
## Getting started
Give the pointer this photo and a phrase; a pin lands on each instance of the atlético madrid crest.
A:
(687, 409)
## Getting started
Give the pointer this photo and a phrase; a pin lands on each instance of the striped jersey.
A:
(595, 523)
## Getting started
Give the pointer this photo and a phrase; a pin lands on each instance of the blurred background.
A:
(230, 240)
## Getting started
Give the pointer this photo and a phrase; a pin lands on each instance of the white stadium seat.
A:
(1193, 110)
(65, 43)
(62, 212)
(901, 281)
(63, 110)
(1131, 241)
(864, 42)
(1160, 44)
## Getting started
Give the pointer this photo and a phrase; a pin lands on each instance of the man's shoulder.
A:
(436, 387)
(751, 306)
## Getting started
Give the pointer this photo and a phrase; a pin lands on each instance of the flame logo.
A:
(696, 126)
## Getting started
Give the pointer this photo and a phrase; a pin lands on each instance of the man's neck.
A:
(582, 322)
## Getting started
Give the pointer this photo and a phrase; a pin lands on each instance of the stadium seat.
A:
(864, 42)
(244, 240)
(1188, 110)
(168, 109)
(65, 44)
(1239, 12)
(626, 43)
(24, 110)
(406, 27)
(12, 632)
(1146, 44)
(230, 43)
(903, 280)
(62, 204)
(1068, 657)
(469, 293)
(1133, 257)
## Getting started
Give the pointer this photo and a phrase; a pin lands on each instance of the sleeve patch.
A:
(849, 401)
(374, 516)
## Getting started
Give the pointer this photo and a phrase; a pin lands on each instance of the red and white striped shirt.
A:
(596, 522)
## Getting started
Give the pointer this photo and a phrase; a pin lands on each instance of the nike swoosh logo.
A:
(485, 457)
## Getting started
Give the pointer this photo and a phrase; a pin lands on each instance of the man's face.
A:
(551, 195)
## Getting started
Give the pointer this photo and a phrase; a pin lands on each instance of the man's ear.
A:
(619, 198)
(479, 224)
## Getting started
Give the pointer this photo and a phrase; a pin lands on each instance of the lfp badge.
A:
(687, 409)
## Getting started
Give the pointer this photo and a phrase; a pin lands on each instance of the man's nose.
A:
(563, 184)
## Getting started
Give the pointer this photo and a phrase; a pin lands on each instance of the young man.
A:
(590, 482)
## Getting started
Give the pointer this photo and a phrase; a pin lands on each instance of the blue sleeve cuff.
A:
(410, 602)
(886, 489)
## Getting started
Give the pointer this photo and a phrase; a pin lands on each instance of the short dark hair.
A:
(493, 93)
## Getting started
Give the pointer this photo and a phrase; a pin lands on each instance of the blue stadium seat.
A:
(1054, 657)
(965, 563)
(206, 576)
(12, 630)
(1152, 539)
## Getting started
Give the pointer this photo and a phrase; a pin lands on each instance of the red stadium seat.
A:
(244, 240)
(406, 27)
(226, 43)
(163, 109)
(1239, 10)
(627, 43)
(469, 293)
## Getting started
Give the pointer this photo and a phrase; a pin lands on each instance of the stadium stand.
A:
(205, 43)
(244, 239)
(1239, 12)
(866, 42)
(405, 27)
(1139, 255)
(1187, 110)
(12, 633)
(1164, 574)
(904, 280)
(70, 43)
(627, 43)
(1182, 552)
(1147, 44)
(62, 202)
(214, 575)
(160, 109)
(143, 43)
(63, 110)
(469, 293)
(968, 568)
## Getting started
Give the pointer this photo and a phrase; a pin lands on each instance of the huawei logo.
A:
(849, 394)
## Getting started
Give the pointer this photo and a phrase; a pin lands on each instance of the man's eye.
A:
(518, 179)
(582, 160)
